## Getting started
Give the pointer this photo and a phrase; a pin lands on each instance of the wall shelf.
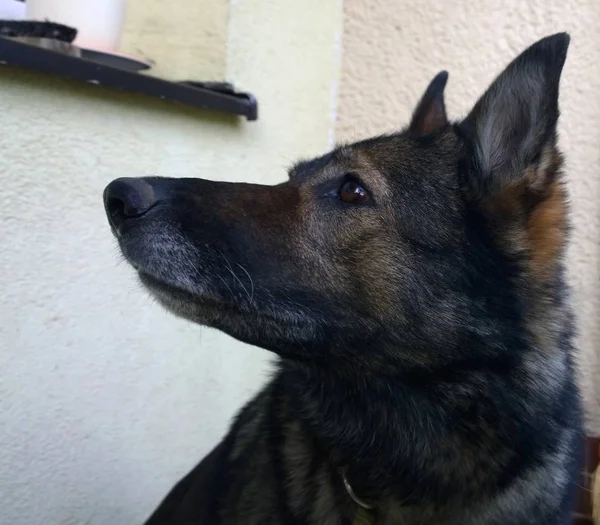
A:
(39, 59)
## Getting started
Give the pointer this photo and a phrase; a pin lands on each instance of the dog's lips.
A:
(164, 287)
(125, 248)
(134, 245)
(123, 228)
(184, 303)
(164, 268)
(151, 281)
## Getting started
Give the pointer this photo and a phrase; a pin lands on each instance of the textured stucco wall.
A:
(105, 400)
(185, 40)
(391, 51)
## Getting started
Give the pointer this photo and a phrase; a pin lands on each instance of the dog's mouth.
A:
(257, 323)
(167, 263)
(207, 299)
(193, 283)
(194, 299)
(176, 299)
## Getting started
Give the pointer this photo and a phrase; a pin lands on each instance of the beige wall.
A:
(186, 40)
(105, 400)
(392, 49)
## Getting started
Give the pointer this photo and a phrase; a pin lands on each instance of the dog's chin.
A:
(275, 329)
(193, 306)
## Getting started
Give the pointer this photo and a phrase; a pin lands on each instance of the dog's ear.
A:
(430, 113)
(513, 126)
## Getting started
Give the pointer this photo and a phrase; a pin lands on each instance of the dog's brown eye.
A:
(352, 192)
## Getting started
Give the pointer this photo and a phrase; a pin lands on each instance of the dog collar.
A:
(351, 493)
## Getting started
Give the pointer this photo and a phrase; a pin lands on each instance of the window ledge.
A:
(36, 58)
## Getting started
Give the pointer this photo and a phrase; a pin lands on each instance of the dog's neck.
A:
(366, 426)
(395, 438)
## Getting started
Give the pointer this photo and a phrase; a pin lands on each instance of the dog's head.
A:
(386, 249)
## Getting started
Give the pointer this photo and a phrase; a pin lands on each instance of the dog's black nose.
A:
(126, 198)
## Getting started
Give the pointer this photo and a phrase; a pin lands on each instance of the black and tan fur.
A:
(423, 329)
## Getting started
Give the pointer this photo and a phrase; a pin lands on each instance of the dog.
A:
(413, 287)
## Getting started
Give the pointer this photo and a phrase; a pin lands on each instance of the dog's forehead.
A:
(344, 157)
(367, 155)
(306, 168)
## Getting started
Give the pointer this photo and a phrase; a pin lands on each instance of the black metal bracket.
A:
(205, 95)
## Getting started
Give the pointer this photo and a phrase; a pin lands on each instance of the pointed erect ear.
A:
(430, 114)
(514, 124)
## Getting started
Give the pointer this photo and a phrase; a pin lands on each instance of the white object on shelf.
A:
(99, 23)
(12, 10)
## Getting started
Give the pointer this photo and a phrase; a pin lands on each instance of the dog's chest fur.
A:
(272, 469)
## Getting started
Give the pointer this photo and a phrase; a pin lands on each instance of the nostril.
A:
(126, 198)
(115, 207)
(119, 207)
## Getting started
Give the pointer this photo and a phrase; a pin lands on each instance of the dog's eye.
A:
(352, 192)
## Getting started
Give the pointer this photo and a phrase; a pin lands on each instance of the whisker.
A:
(235, 276)
(225, 283)
(251, 281)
